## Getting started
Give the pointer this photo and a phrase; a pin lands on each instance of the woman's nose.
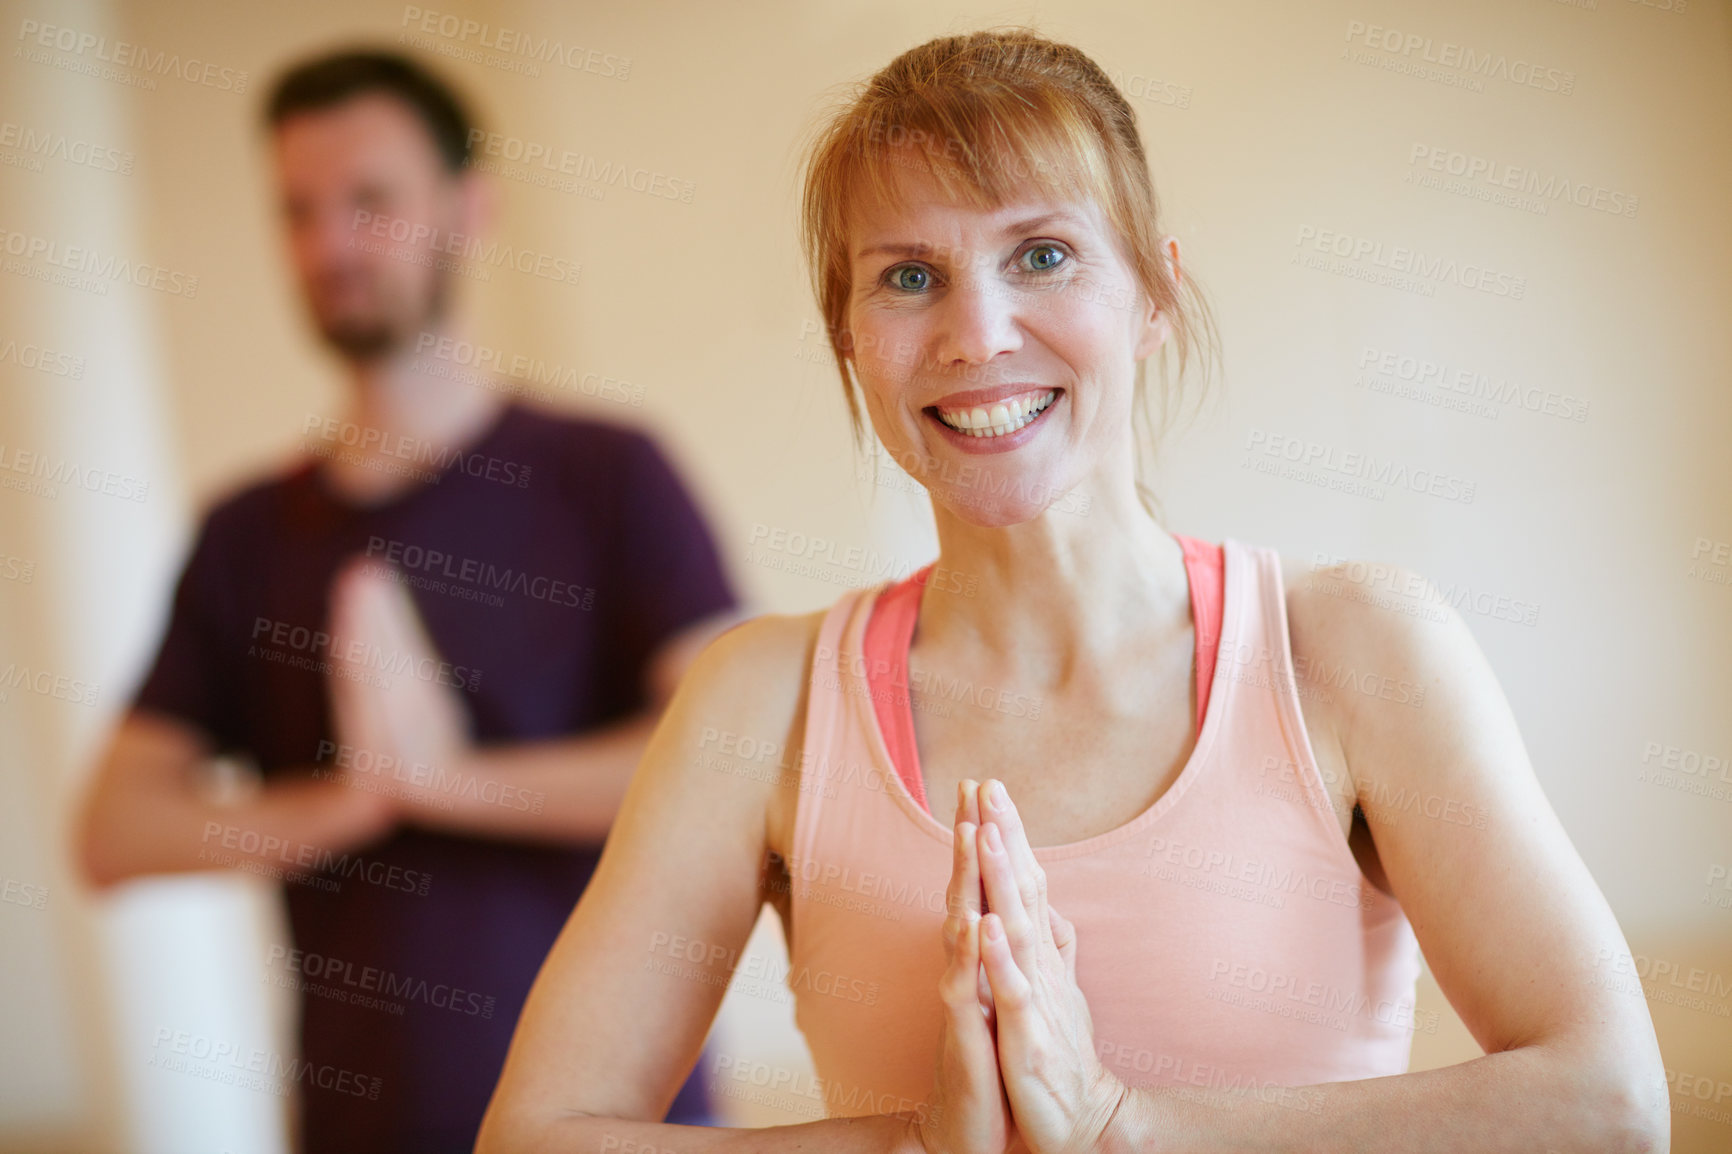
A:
(978, 319)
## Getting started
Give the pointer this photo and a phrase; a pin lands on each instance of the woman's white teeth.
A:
(1003, 417)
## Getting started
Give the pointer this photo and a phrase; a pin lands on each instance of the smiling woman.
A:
(1039, 124)
(1197, 925)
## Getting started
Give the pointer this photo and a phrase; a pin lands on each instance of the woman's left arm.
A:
(1511, 922)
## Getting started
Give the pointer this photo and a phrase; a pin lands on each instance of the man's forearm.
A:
(131, 834)
(566, 790)
(1519, 1101)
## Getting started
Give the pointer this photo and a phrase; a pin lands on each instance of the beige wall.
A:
(1270, 127)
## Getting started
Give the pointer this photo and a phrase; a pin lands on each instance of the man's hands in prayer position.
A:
(410, 733)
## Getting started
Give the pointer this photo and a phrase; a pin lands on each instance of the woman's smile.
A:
(992, 421)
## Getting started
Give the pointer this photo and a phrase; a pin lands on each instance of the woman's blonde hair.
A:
(987, 114)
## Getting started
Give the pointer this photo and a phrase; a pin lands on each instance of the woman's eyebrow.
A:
(1034, 223)
(915, 248)
(922, 248)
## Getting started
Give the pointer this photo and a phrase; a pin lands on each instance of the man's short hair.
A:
(326, 81)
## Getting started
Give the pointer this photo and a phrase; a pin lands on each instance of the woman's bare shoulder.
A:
(741, 713)
(1368, 626)
(1374, 645)
(758, 669)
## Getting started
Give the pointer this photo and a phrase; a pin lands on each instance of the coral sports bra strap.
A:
(890, 633)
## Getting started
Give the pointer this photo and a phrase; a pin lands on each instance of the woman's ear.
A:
(1156, 329)
(1158, 326)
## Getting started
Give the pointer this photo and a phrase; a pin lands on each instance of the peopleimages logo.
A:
(35, 34)
(438, 458)
(268, 1072)
(481, 574)
(46, 684)
(676, 955)
(38, 143)
(45, 474)
(1500, 178)
(1382, 370)
(1398, 265)
(318, 651)
(43, 360)
(1375, 578)
(375, 772)
(421, 240)
(79, 259)
(579, 165)
(353, 979)
(485, 359)
(510, 42)
(1458, 61)
(1361, 474)
(784, 1087)
(823, 558)
(250, 843)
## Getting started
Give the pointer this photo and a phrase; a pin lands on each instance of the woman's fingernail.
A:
(994, 843)
(994, 929)
(996, 796)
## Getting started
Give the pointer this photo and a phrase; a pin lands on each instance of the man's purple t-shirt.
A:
(548, 561)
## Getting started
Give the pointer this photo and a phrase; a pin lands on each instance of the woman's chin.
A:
(986, 511)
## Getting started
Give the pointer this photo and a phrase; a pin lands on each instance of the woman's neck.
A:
(1062, 591)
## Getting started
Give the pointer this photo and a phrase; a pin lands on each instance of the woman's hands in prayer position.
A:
(1017, 1068)
(969, 1112)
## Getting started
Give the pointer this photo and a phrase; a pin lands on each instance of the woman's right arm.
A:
(618, 1015)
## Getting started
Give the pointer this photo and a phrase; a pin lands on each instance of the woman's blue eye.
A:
(911, 278)
(1044, 257)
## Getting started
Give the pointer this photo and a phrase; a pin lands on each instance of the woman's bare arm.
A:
(618, 1014)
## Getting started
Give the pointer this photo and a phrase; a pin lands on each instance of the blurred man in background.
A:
(443, 640)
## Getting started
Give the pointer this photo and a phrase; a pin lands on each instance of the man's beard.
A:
(362, 340)
(378, 337)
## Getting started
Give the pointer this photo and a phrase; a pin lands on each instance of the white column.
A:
(88, 987)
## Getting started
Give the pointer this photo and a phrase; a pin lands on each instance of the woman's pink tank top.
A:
(1226, 937)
